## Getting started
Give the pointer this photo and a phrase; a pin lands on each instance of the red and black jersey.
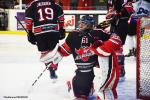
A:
(44, 16)
(79, 43)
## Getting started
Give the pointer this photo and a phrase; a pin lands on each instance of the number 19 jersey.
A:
(44, 16)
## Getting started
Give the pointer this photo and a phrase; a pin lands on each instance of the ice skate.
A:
(131, 53)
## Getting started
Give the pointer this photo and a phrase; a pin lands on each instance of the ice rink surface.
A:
(20, 67)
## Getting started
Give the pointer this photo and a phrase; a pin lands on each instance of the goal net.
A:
(143, 58)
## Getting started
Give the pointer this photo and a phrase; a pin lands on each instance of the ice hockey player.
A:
(141, 8)
(44, 21)
(87, 45)
(119, 12)
(132, 35)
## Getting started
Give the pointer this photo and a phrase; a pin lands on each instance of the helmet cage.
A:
(87, 20)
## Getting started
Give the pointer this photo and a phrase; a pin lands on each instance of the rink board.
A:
(13, 32)
(16, 32)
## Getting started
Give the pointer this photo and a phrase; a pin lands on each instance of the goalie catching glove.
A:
(53, 56)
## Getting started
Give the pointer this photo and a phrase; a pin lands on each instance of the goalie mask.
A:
(86, 23)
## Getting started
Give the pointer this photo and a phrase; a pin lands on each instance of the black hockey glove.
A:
(31, 38)
(62, 33)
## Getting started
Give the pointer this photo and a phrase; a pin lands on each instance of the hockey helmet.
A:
(87, 20)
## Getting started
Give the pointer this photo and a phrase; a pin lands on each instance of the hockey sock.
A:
(52, 73)
(52, 68)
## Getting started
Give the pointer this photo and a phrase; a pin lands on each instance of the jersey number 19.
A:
(46, 14)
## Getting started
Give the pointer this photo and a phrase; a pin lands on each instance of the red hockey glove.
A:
(110, 15)
(128, 7)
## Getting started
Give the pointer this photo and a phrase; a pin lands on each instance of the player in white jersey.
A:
(141, 8)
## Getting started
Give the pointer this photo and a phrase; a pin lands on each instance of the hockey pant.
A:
(109, 77)
(81, 85)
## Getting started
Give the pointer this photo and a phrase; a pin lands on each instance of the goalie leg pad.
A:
(121, 59)
(106, 95)
(110, 76)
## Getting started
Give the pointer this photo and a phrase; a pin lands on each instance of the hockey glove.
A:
(110, 15)
(62, 33)
(127, 10)
(31, 38)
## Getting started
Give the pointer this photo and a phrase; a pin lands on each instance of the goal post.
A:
(143, 58)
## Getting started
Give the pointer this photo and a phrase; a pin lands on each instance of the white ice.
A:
(20, 67)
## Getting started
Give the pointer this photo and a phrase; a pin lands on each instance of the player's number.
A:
(46, 14)
(84, 39)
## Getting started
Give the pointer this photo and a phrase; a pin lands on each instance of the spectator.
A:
(74, 4)
(85, 5)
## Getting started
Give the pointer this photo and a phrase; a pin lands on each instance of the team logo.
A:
(83, 53)
(142, 11)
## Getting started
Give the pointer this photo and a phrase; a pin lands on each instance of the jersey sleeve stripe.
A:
(65, 50)
(102, 52)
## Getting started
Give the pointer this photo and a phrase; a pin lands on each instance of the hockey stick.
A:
(39, 76)
(23, 27)
(21, 24)
(31, 88)
(52, 73)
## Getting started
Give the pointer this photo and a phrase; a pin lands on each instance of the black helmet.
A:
(87, 20)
